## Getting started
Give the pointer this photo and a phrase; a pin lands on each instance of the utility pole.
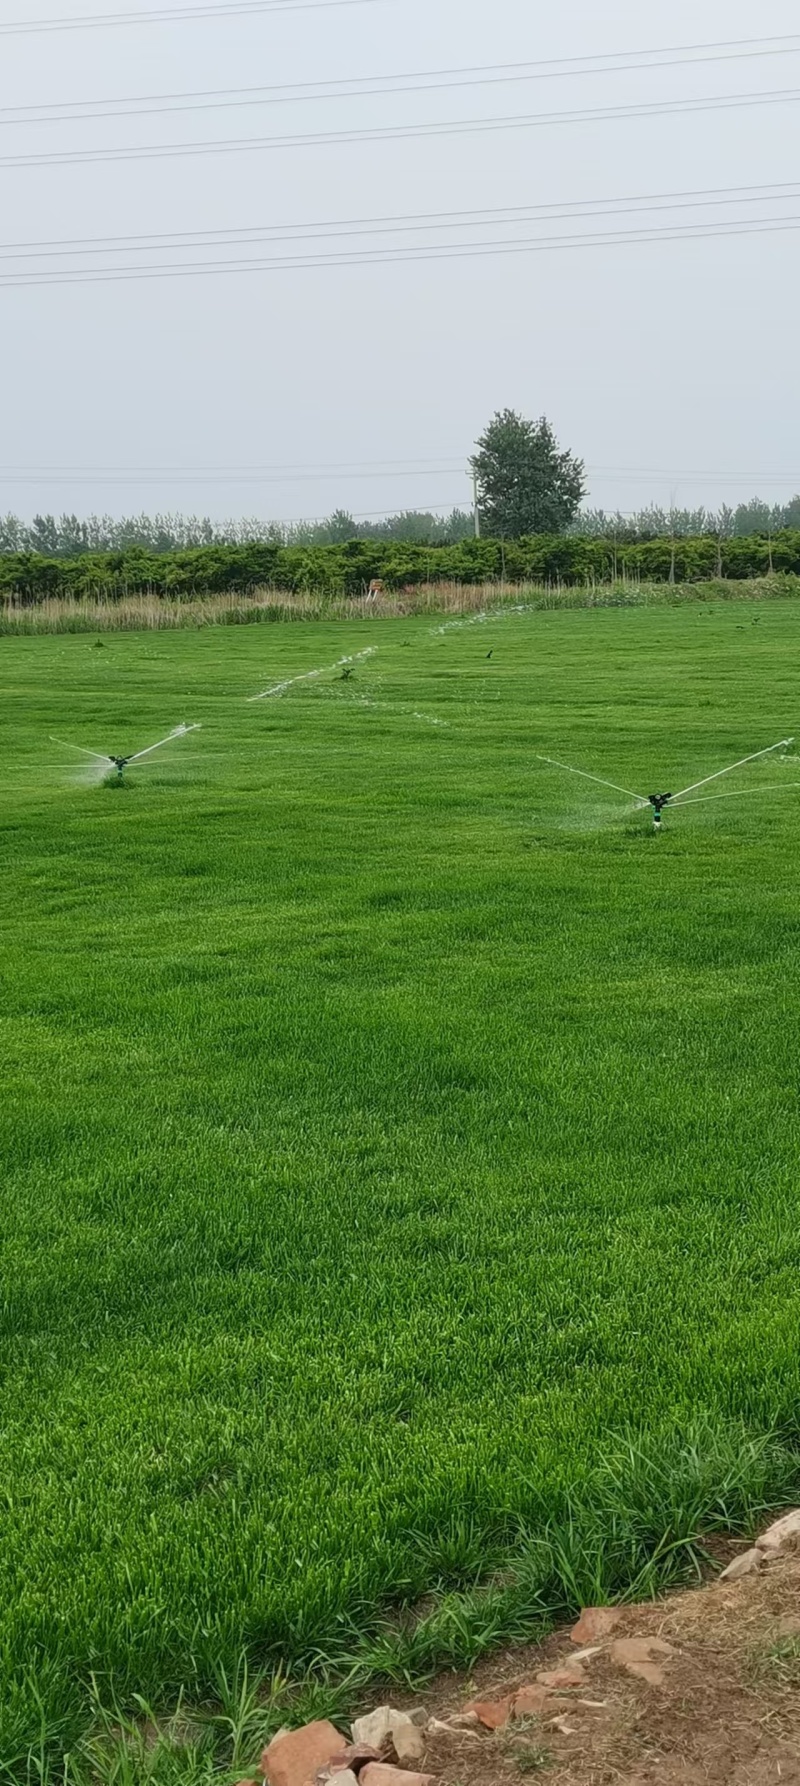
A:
(673, 499)
(475, 509)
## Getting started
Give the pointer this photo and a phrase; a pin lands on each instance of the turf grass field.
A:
(389, 1120)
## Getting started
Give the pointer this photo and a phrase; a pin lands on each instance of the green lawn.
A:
(389, 1121)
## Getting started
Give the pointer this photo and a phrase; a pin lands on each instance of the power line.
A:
(354, 466)
(682, 474)
(232, 475)
(357, 468)
(406, 132)
(154, 475)
(378, 257)
(172, 15)
(568, 210)
(698, 480)
(366, 86)
(431, 508)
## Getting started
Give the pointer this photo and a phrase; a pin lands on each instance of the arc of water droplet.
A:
(770, 787)
(587, 777)
(177, 732)
(782, 744)
(82, 748)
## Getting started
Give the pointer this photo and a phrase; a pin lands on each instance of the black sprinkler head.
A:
(659, 801)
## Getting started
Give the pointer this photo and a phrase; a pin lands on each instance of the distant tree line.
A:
(66, 536)
(747, 519)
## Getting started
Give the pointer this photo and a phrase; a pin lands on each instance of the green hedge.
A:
(347, 569)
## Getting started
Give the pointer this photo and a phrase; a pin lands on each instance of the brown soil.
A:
(727, 1714)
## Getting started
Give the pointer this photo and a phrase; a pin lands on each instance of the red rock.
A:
(379, 1773)
(295, 1757)
(594, 1622)
(571, 1675)
(530, 1700)
(491, 1713)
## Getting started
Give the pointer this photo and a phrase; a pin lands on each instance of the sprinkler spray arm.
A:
(121, 763)
(658, 802)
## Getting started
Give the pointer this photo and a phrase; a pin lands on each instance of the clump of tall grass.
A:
(151, 612)
(637, 1525)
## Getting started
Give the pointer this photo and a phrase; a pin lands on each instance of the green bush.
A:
(348, 568)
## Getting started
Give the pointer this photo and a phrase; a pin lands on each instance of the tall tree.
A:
(525, 484)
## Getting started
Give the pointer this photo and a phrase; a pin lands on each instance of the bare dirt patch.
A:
(722, 1710)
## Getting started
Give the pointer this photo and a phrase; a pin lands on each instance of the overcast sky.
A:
(670, 366)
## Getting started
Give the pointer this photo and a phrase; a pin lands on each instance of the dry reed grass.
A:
(151, 612)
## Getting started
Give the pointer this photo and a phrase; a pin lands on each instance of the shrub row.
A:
(347, 569)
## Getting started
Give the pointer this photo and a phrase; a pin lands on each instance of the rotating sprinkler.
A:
(104, 766)
(658, 802)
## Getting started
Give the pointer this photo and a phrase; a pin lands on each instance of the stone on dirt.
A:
(651, 1672)
(379, 1773)
(781, 1533)
(560, 1724)
(354, 1756)
(408, 1743)
(594, 1622)
(454, 1727)
(491, 1713)
(387, 1726)
(531, 1700)
(636, 1655)
(571, 1675)
(349, 1760)
(345, 1778)
(374, 1727)
(639, 1649)
(295, 1757)
(746, 1564)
